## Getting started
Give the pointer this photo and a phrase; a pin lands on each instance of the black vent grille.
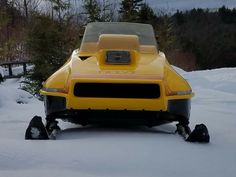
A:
(117, 90)
(118, 57)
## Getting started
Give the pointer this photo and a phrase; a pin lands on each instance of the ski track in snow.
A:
(128, 152)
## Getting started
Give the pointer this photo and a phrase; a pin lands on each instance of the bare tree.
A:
(59, 8)
(27, 7)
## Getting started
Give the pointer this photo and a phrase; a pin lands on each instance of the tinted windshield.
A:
(143, 31)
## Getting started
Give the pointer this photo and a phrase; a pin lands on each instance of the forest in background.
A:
(46, 32)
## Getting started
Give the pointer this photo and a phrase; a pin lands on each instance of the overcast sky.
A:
(189, 4)
(170, 6)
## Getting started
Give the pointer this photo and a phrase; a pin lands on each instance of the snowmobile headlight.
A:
(60, 90)
(187, 92)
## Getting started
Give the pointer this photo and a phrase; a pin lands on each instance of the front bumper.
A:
(177, 110)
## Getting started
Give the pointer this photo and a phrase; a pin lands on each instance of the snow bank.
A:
(2, 71)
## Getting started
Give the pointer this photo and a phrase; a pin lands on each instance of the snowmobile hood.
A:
(141, 66)
(119, 53)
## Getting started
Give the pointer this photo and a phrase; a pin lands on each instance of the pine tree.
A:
(146, 14)
(129, 10)
(165, 33)
(48, 46)
(100, 11)
(92, 10)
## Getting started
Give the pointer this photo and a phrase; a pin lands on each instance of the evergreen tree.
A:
(92, 10)
(49, 47)
(146, 14)
(165, 33)
(228, 16)
(100, 11)
(179, 17)
(129, 10)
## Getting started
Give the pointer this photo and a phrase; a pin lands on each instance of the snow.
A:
(2, 71)
(94, 151)
(17, 70)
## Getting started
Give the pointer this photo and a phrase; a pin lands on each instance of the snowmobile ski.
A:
(199, 134)
(37, 131)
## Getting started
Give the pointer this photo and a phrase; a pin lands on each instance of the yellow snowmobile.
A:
(118, 76)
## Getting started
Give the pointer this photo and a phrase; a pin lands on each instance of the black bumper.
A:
(178, 110)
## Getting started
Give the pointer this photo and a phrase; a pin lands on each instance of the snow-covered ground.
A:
(124, 152)
(18, 70)
(2, 71)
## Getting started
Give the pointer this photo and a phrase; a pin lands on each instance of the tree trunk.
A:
(26, 9)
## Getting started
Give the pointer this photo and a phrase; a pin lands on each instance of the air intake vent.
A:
(114, 90)
(118, 57)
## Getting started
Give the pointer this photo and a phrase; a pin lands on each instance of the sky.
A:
(171, 6)
(190, 4)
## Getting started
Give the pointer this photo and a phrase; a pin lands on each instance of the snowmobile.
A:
(118, 76)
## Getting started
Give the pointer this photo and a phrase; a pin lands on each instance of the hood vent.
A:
(118, 57)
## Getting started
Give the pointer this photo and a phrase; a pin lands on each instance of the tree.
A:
(146, 14)
(27, 7)
(179, 17)
(210, 36)
(11, 32)
(59, 6)
(4, 18)
(107, 11)
(228, 16)
(129, 10)
(92, 10)
(49, 45)
(165, 33)
(100, 11)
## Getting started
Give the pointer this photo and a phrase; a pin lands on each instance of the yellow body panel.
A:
(147, 66)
